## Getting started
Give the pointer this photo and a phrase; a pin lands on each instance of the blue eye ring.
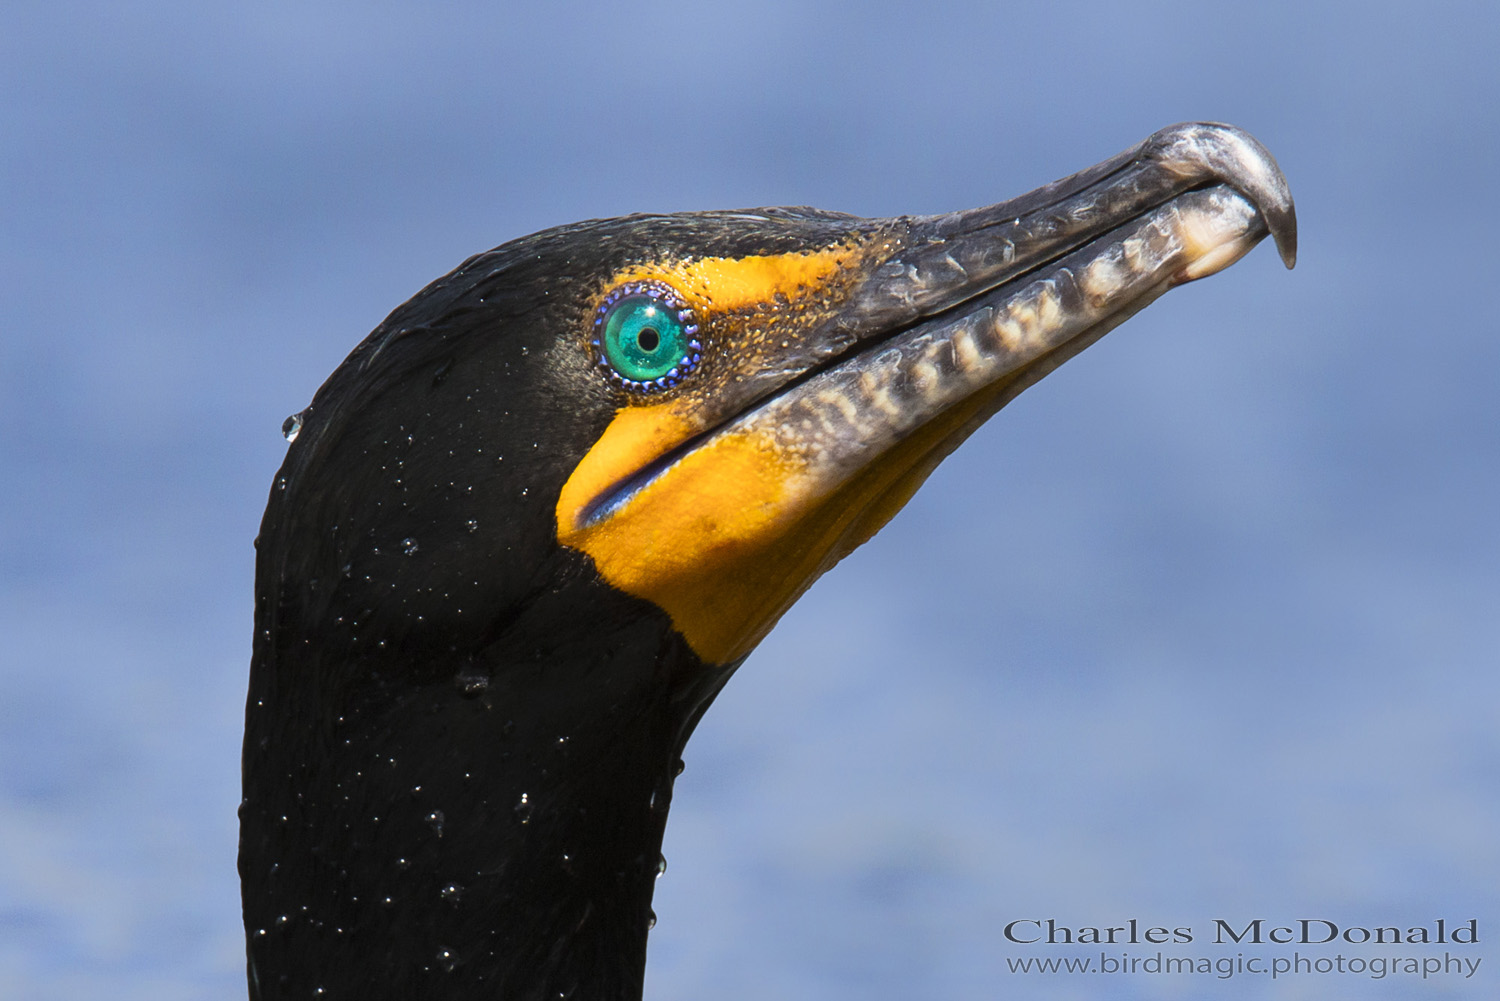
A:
(646, 364)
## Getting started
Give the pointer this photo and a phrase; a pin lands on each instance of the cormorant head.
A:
(716, 407)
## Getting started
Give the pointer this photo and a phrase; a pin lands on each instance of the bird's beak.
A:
(947, 319)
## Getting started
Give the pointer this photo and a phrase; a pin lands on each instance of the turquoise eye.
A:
(646, 337)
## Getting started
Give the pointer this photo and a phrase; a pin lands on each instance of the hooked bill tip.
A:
(1238, 159)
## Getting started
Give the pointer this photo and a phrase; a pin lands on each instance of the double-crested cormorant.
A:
(526, 532)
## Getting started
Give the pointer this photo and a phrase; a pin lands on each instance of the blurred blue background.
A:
(1205, 625)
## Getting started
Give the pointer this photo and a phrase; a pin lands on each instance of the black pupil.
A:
(648, 339)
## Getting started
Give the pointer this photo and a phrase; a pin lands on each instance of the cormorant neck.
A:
(451, 824)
